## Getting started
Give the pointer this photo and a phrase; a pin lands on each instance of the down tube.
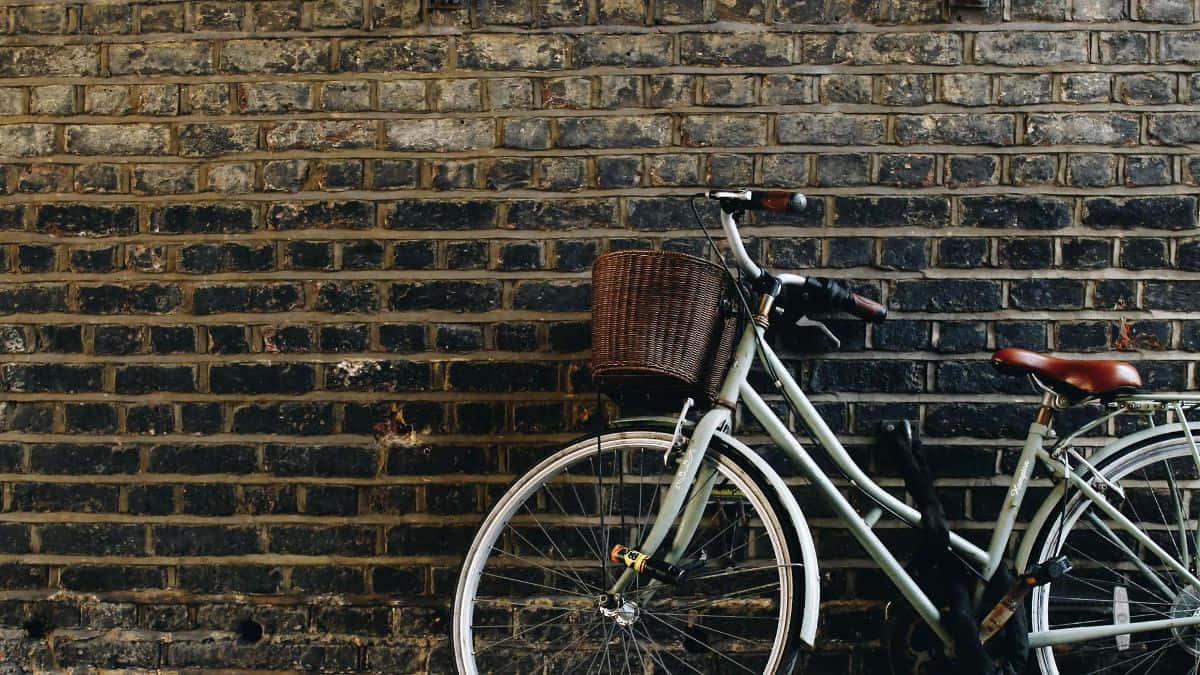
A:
(846, 513)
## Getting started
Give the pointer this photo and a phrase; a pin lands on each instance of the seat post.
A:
(1045, 414)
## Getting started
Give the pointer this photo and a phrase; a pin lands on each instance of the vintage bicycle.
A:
(662, 545)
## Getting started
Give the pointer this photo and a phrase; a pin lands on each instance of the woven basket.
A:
(658, 324)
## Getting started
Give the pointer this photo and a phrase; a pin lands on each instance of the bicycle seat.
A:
(1074, 378)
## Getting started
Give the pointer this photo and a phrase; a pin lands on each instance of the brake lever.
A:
(806, 321)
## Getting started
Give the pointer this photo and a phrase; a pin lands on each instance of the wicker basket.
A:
(659, 325)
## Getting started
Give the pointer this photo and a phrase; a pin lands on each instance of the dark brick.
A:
(347, 540)
(32, 298)
(346, 338)
(211, 258)
(458, 338)
(1169, 213)
(342, 297)
(364, 254)
(330, 215)
(117, 339)
(1172, 295)
(901, 335)
(980, 420)
(135, 299)
(422, 255)
(204, 539)
(287, 339)
(441, 215)
(903, 253)
(48, 377)
(269, 297)
(553, 297)
(320, 460)
(87, 220)
(64, 497)
(227, 339)
(882, 211)
(172, 339)
(849, 251)
(215, 499)
(500, 376)
(202, 459)
(143, 379)
(201, 418)
(93, 260)
(153, 500)
(1143, 253)
(1078, 253)
(1083, 336)
(896, 376)
(1033, 213)
(149, 419)
(1023, 334)
(1027, 254)
(331, 500)
(947, 295)
(92, 539)
(36, 258)
(230, 578)
(1033, 294)
(305, 419)
(1116, 294)
(261, 378)
(962, 252)
(561, 214)
(460, 296)
(334, 579)
(961, 336)
(99, 418)
(207, 219)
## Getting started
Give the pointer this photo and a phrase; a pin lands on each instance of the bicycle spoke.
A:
(1179, 518)
(531, 583)
(708, 647)
(553, 545)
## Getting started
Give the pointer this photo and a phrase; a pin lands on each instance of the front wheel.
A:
(533, 593)
(1114, 580)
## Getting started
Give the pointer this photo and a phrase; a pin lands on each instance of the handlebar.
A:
(818, 292)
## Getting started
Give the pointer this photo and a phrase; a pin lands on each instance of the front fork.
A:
(687, 495)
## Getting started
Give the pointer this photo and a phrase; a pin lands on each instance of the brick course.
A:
(244, 239)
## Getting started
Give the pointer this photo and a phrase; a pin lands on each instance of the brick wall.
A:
(241, 236)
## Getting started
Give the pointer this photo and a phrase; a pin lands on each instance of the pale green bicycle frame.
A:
(736, 388)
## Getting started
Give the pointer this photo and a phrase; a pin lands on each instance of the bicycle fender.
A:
(1047, 510)
(808, 550)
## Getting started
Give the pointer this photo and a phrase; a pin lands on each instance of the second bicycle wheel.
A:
(532, 596)
(1115, 580)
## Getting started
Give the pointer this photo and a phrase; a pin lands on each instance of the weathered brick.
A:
(956, 129)
(440, 134)
(154, 58)
(274, 297)
(511, 52)
(60, 60)
(614, 132)
(735, 49)
(202, 219)
(1175, 128)
(647, 50)
(385, 55)
(830, 129)
(320, 135)
(1081, 129)
(940, 49)
(339, 215)
(1031, 48)
(725, 130)
(275, 56)
(210, 140)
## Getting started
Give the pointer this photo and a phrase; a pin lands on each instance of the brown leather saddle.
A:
(1076, 379)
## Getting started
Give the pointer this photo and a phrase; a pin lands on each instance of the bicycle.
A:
(667, 546)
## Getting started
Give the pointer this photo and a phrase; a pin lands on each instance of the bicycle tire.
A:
(1106, 582)
(524, 633)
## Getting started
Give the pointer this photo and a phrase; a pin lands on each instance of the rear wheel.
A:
(1114, 579)
(533, 592)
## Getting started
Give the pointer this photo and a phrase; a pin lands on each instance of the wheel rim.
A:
(666, 629)
(1162, 487)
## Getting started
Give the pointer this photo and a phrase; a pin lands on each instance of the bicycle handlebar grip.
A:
(779, 201)
(866, 309)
